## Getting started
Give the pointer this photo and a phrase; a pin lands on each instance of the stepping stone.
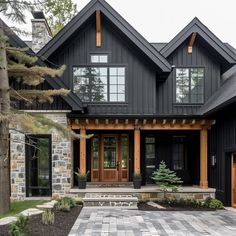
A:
(45, 206)
(153, 204)
(7, 220)
(31, 212)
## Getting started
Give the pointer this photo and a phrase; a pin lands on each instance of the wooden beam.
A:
(203, 159)
(107, 121)
(127, 125)
(193, 122)
(82, 157)
(164, 122)
(137, 151)
(203, 122)
(98, 29)
(191, 42)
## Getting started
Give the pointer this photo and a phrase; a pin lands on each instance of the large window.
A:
(99, 84)
(190, 85)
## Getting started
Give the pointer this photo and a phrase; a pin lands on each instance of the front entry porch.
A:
(120, 148)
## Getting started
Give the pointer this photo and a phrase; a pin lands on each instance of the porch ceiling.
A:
(142, 124)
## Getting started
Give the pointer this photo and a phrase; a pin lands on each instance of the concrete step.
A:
(110, 200)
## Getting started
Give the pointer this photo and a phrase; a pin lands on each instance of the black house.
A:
(142, 102)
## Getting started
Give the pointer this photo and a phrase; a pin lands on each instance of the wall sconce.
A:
(213, 160)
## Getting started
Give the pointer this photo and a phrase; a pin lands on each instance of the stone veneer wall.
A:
(61, 161)
(17, 163)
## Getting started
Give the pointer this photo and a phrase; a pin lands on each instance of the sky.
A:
(161, 20)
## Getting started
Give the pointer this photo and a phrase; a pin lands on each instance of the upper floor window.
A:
(99, 58)
(190, 85)
(99, 84)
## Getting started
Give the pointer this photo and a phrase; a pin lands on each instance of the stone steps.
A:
(126, 201)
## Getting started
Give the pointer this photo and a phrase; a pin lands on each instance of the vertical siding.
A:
(140, 76)
(181, 58)
(222, 141)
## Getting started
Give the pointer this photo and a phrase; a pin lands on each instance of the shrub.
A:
(65, 203)
(208, 201)
(216, 204)
(63, 207)
(48, 217)
(19, 228)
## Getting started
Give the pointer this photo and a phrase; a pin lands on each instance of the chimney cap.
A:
(38, 15)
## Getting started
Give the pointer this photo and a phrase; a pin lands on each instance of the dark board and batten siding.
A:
(222, 142)
(140, 74)
(145, 94)
(181, 58)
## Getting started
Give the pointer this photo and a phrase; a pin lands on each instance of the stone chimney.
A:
(41, 32)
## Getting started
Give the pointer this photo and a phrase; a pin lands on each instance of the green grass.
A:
(19, 206)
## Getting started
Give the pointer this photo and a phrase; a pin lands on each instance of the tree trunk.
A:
(4, 127)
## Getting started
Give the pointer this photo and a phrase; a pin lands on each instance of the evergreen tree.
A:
(59, 13)
(166, 178)
(17, 66)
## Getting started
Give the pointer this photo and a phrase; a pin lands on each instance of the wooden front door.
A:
(234, 180)
(110, 158)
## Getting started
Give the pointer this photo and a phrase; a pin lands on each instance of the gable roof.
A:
(197, 26)
(71, 99)
(114, 17)
(223, 97)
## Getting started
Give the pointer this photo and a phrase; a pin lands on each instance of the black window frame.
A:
(179, 141)
(107, 66)
(27, 161)
(189, 77)
(98, 54)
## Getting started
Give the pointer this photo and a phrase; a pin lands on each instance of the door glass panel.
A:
(124, 152)
(39, 167)
(95, 152)
(109, 152)
(150, 157)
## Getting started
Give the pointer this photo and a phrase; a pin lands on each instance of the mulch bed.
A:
(145, 207)
(61, 227)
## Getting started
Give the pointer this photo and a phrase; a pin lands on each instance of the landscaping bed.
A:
(61, 227)
(180, 205)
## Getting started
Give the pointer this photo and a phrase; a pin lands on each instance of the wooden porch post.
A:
(203, 159)
(136, 150)
(83, 151)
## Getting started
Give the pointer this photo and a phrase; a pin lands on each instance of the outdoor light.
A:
(213, 160)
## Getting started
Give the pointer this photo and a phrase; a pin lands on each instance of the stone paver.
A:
(121, 222)
(31, 212)
(7, 220)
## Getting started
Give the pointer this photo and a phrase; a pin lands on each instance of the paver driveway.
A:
(97, 221)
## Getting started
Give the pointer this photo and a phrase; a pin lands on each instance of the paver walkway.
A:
(120, 222)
